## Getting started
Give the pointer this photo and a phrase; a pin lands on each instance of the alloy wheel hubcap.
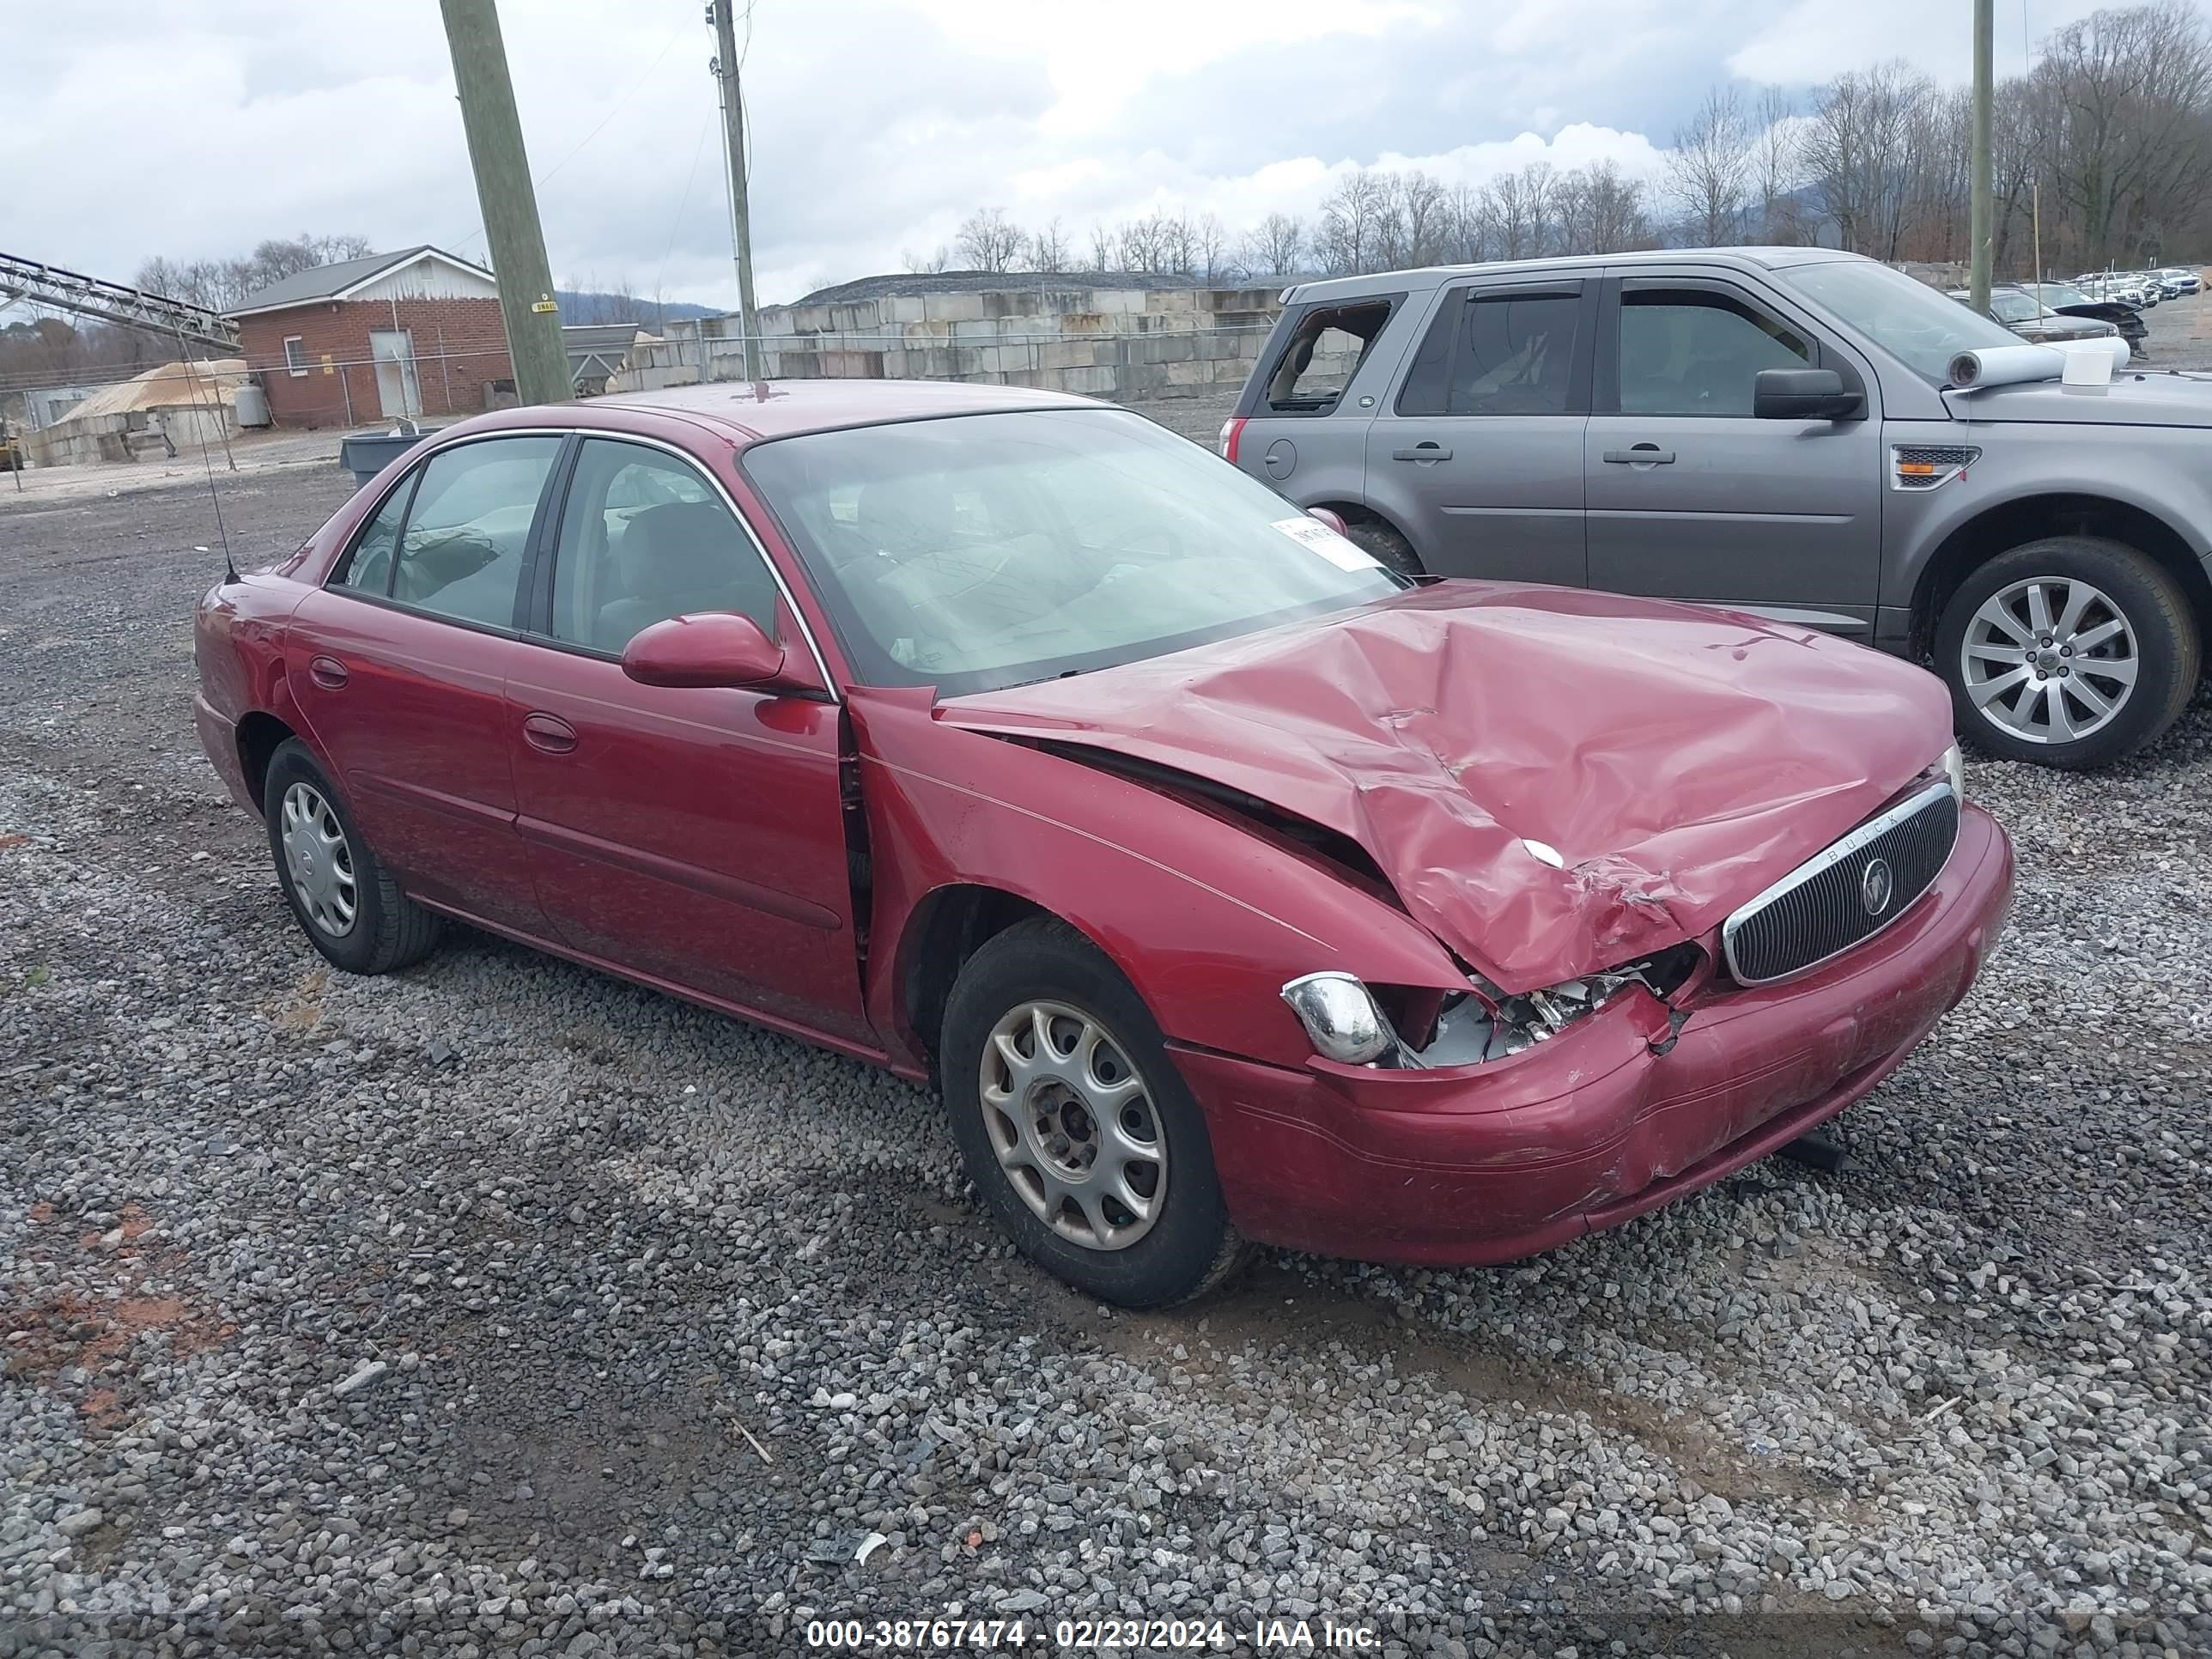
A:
(1072, 1125)
(2049, 661)
(318, 859)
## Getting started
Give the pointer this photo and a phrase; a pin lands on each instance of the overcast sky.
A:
(195, 131)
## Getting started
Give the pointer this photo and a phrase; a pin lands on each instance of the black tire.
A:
(2140, 591)
(1373, 536)
(1190, 1248)
(389, 930)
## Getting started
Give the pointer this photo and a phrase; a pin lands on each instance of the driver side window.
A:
(644, 537)
(1691, 351)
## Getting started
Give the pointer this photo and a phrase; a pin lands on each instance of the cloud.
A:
(877, 126)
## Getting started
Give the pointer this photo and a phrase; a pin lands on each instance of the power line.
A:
(683, 203)
(613, 108)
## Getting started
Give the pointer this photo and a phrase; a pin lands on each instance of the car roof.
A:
(1429, 277)
(754, 410)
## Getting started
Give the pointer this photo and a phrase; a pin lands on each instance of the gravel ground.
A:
(500, 1307)
(2180, 332)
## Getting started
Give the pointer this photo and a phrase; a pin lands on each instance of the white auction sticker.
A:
(1313, 534)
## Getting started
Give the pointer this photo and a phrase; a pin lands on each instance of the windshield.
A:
(985, 551)
(2058, 294)
(1910, 319)
(2010, 305)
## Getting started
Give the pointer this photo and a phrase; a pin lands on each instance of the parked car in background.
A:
(2069, 301)
(1774, 430)
(2184, 280)
(2040, 325)
(1226, 885)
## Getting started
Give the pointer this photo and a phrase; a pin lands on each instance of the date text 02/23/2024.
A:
(1088, 1635)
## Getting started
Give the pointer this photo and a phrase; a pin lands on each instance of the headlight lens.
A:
(1341, 1017)
(1955, 767)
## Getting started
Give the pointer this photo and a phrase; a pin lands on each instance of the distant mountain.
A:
(579, 305)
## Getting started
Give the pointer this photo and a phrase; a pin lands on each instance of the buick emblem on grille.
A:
(1877, 886)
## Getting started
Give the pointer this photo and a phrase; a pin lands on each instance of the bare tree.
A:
(1276, 246)
(1517, 210)
(218, 284)
(1104, 249)
(2129, 135)
(988, 241)
(1346, 242)
(1597, 209)
(1777, 168)
(1048, 249)
(1209, 246)
(938, 259)
(1707, 168)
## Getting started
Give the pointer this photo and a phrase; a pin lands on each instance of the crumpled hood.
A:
(1678, 759)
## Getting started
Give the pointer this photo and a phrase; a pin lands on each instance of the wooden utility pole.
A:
(507, 202)
(733, 129)
(1977, 217)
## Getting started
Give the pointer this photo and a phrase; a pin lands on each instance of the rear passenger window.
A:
(1691, 351)
(369, 569)
(1324, 352)
(461, 553)
(1515, 356)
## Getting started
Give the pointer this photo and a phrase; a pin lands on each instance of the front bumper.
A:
(1490, 1163)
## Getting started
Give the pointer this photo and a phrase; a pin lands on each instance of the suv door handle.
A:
(1422, 452)
(326, 671)
(1641, 455)
(549, 733)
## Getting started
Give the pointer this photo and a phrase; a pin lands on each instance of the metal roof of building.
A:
(330, 282)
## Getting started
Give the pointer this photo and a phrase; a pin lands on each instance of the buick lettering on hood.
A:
(1224, 886)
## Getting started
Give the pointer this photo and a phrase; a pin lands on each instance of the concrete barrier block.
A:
(1091, 382)
(953, 307)
(1189, 373)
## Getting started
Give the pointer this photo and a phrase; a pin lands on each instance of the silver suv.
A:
(1771, 429)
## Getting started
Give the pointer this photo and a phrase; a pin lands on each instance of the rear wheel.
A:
(1375, 536)
(2070, 652)
(343, 898)
(1075, 1126)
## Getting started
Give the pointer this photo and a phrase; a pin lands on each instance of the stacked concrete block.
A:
(1103, 342)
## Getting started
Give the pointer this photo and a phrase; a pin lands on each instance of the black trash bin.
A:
(369, 454)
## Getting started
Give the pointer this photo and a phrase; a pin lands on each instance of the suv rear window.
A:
(1324, 351)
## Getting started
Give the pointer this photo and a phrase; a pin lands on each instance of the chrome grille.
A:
(1839, 897)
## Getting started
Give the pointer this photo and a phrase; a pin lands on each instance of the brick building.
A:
(415, 333)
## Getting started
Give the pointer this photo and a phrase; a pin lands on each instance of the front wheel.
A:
(2070, 652)
(1076, 1127)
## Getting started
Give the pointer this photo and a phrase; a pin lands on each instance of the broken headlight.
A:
(1488, 1024)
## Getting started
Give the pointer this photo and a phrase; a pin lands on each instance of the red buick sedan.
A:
(1226, 886)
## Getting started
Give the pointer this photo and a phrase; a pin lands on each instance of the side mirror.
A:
(712, 648)
(1331, 517)
(1804, 394)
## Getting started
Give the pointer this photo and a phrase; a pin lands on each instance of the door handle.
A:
(1422, 452)
(549, 733)
(326, 671)
(1641, 455)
